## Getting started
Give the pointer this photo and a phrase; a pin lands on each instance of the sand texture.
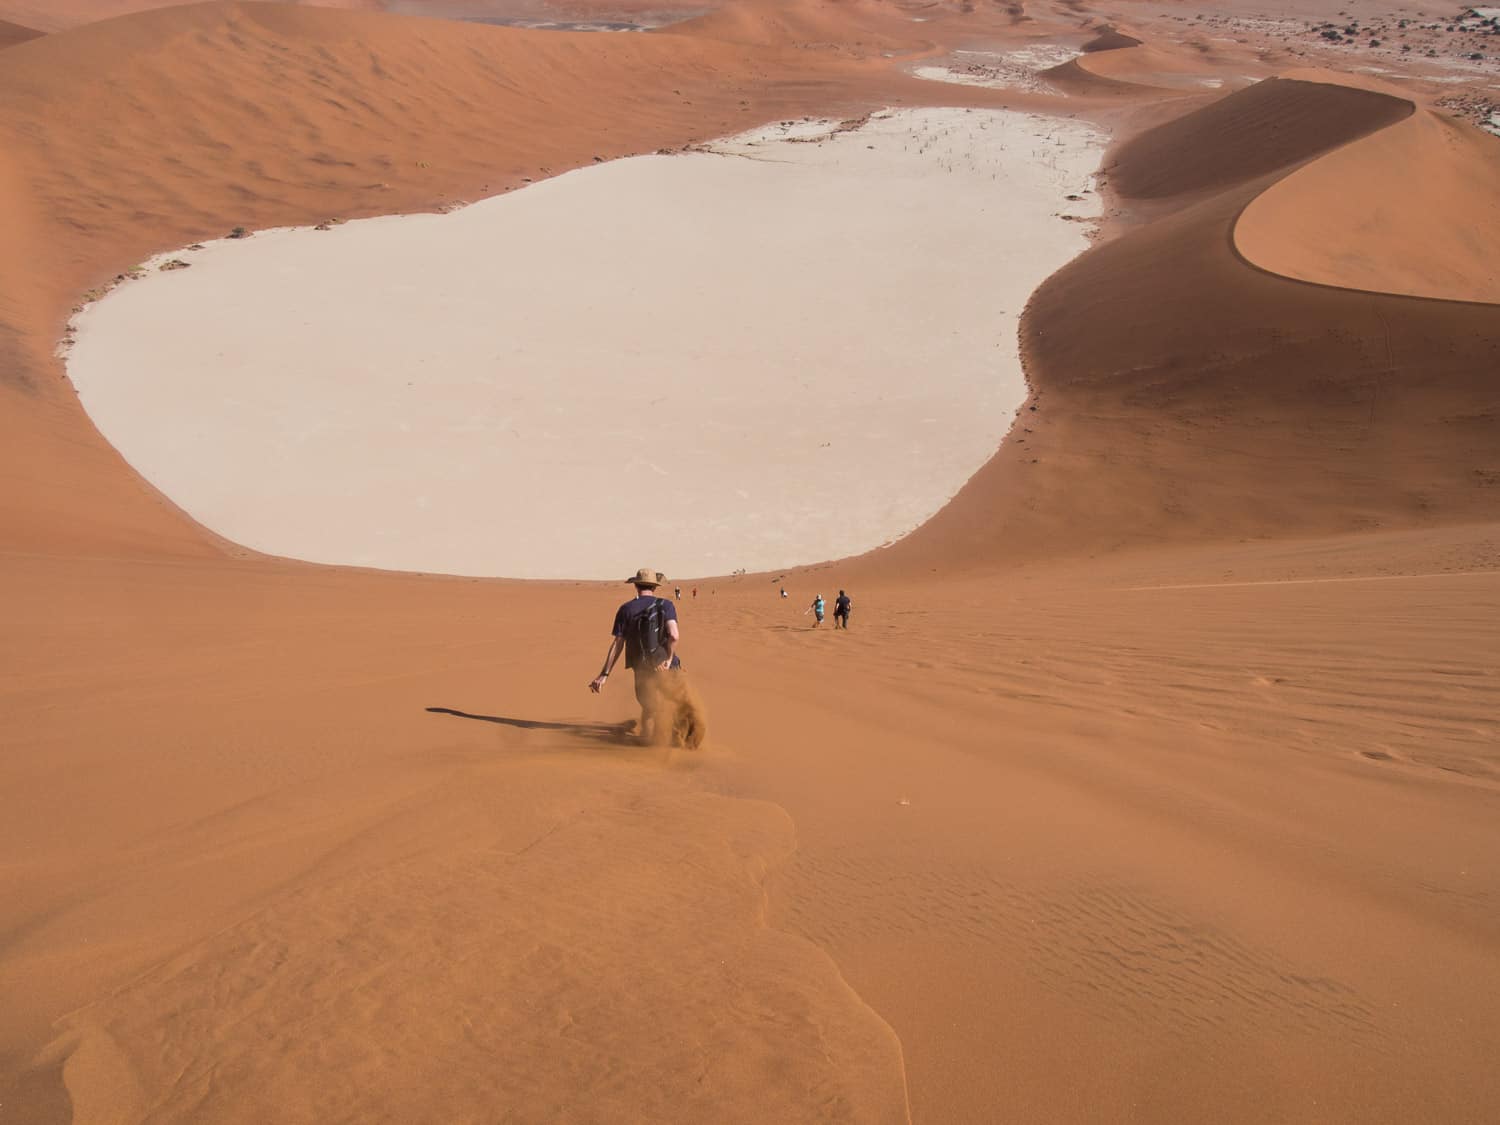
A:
(1156, 779)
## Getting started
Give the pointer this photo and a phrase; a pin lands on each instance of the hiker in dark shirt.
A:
(841, 611)
(633, 628)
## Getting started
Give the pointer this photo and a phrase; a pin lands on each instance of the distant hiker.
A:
(645, 630)
(695, 591)
(841, 611)
(677, 593)
(783, 591)
(816, 609)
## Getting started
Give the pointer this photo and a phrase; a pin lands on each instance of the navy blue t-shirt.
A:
(625, 618)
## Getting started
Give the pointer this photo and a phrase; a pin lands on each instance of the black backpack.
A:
(651, 630)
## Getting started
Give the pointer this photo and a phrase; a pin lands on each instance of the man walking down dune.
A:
(645, 630)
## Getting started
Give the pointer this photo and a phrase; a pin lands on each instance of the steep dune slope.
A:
(1204, 397)
(1269, 126)
(13, 33)
(1149, 64)
(1074, 78)
(1117, 64)
(1110, 39)
(1412, 209)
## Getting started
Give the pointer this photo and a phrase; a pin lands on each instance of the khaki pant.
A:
(671, 713)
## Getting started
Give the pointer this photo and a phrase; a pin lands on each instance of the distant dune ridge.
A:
(1282, 375)
(59, 15)
(1109, 39)
(1347, 221)
(13, 33)
(1156, 778)
(1266, 128)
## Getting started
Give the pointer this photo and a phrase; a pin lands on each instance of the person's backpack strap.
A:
(649, 627)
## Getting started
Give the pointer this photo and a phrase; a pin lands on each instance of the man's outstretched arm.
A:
(616, 646)
(669, 646)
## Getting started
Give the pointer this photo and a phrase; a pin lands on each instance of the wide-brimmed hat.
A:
(647, 577)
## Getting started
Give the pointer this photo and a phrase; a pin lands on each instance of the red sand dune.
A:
(1195, 65)
(1342, 220)
(1156, 780)
(1074, 78)
(1382, 391)
(1115, 64)
(13, 33)
(1253, 132)
(1110, 39)
(850, 27)
(57, 15)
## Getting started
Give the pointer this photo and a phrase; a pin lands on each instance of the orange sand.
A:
(1157, 779)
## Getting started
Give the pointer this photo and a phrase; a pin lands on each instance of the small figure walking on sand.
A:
(695, 591)
(841, 611)
(645, 630)
(816, 609)
(783, 591)
(677, 593)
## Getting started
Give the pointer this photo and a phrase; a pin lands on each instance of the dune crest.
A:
(1109, 39)
(1247, 134)
(1154, 67)
(13, 33)
(1303, 411)
(1412, 209)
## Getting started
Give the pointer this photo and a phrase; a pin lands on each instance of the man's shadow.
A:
(615, 734)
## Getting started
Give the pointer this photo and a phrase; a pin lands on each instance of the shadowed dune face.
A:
(1109, 39)
(1208, 398)
(1254, 132)
(1413, 209)
(1155, 70)
(13, 33)
(1117, 66)
(1074, 78)
(1375, 396)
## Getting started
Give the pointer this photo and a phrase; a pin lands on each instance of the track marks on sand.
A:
(1123, 953)
(611, 963)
